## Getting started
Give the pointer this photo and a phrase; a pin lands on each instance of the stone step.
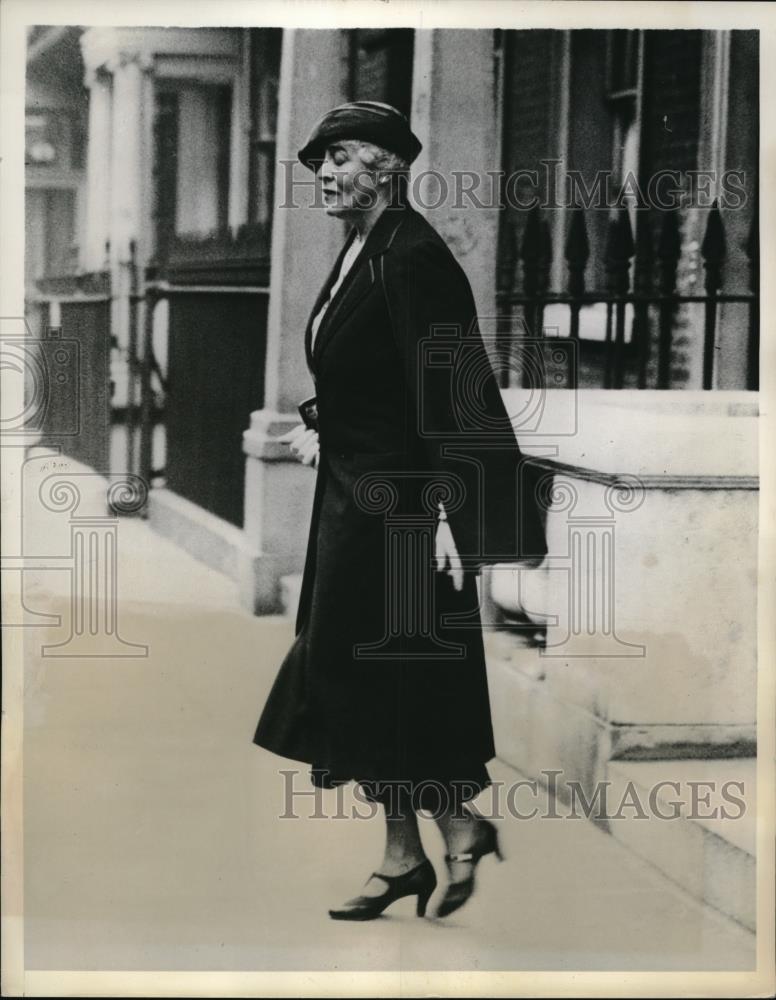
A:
(709, 855)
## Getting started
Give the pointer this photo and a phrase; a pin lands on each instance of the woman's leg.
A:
(458, 826)
(403, 846)
(403, 852)
(468, 838)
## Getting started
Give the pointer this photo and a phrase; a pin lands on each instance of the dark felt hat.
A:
(369, 121)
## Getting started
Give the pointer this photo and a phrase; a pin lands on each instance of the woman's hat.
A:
(369, 121)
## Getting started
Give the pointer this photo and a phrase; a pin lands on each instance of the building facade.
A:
(600, 190)
(158, 206)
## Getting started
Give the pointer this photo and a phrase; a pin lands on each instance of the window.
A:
(623, 58)
(50, 233)
(53, 155)
(381, 66)
(623, 73)
(165, 169)
(204, 116)
(54, 139)
(265, 48)
(192, 147)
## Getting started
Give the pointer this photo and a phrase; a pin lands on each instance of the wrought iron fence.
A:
(72, 340)
(213, 381)
(653, 294)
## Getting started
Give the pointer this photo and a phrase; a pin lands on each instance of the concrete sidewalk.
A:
(153, 838)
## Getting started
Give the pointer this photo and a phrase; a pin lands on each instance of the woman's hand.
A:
(446, 554)
(304, 444)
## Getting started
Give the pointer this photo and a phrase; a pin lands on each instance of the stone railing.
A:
(648, 595)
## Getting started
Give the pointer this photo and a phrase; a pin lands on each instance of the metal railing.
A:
(653, 293)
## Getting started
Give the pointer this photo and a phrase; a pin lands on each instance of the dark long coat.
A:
(386, 676)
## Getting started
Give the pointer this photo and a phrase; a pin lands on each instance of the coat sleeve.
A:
(458, 407)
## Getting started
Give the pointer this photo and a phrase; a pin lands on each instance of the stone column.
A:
(98, 171)
(278, 490)
(127, 182)
(127, 149)
(305, 240)
(119, 72)
(454, 115)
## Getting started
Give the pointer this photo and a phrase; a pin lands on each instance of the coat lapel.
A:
(358, 281)
(322, 296)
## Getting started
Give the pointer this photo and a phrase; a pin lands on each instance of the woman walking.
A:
(419, 482)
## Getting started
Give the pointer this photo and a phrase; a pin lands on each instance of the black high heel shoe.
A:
(420, 881)
(458, 893)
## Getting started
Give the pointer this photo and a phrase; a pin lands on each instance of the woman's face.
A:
(348, 187)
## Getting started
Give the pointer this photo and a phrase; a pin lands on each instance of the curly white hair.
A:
(377, 159)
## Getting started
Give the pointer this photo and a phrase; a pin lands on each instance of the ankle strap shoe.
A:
(420, 881)
(457, 893)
